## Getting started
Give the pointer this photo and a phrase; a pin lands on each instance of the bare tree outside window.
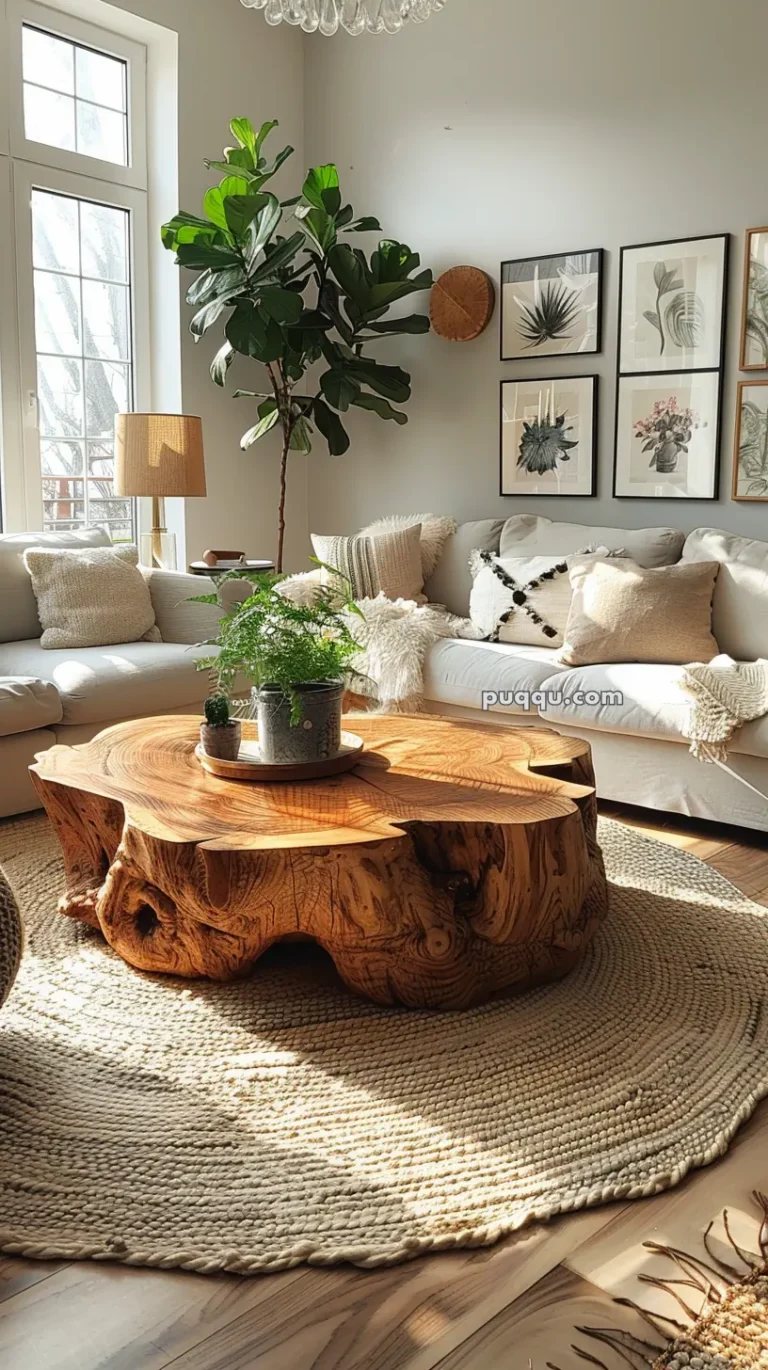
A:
(81, 253)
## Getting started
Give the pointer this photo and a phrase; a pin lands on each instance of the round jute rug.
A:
(281, 1120)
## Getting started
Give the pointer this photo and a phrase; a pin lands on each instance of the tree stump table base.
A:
(457, 861)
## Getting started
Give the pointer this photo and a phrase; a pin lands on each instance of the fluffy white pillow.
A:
(436, 529)
(91, 596)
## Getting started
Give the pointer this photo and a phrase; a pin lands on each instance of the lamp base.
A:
(158, 550)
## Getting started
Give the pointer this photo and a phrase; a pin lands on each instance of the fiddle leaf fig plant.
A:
(280, 282)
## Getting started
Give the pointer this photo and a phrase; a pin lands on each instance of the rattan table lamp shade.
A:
(159, 455)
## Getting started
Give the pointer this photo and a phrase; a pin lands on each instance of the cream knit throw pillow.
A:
(388, 564)
(91, 596)
(436, 529)
(622, 612)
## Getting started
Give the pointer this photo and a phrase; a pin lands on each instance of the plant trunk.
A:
(281, 508)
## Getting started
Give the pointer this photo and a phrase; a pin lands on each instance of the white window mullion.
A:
(14, 515)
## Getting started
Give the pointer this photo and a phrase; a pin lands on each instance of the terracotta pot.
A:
(222, 742)
(317, 734)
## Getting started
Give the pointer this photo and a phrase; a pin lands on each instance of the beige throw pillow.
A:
(623, 612)
(388, 564)
(436, 529)
(92, 597)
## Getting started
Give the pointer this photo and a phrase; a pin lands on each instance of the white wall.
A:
(506, 128)
(230, 62)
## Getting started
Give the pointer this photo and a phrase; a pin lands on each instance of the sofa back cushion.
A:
(740, 609)
(18, 607)
(529, 535)
(451, 583)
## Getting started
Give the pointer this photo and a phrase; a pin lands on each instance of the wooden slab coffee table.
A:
(456, 861)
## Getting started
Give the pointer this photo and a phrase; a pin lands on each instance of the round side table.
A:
(201, 568)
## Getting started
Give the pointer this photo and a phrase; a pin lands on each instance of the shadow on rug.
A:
(280, 1120)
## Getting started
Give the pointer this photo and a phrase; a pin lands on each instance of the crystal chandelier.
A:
(356, 16)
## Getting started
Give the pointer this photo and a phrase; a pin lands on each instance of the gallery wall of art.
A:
(511, 136)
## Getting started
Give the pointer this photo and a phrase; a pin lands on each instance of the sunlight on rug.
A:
(281, 1120)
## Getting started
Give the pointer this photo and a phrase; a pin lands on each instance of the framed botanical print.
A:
(549, 436)
(672, 305)
(754, 319)
(551, 306)
(667, 436)
(750, 458)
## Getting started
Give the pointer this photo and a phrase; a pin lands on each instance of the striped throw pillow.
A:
(389, 563)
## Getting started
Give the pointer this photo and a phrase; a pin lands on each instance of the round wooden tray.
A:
(249, 766)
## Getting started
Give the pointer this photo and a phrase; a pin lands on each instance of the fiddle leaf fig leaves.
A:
(200, 255)
(221, 364)
(332, 429)
(381, 407)
(188, 228)
(260, 227)
(287, 299)
(321, 189)
(240, 211)
(260, 429)
(340, 389)
(244, 132)
(284, 306)
(366, 225)
(412, 323)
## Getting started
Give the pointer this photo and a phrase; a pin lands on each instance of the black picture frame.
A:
(674, 242)
(689, 499)
(627, 373)
(598, 252)
(554, 494)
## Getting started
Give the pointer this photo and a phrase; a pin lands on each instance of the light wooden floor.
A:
(503, 1309)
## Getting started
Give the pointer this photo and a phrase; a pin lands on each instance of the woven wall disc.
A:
(462, 303)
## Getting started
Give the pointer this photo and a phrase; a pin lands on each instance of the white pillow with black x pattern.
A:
(525, 600)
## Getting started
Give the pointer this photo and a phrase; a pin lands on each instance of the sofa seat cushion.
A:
(104, 684)
(654, 704)
(459, 672)
(27, 704)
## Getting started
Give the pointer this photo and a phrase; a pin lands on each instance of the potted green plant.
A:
(220, 735)
(298, 661)
(292, 295)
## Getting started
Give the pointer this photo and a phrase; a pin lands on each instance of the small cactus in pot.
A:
(220, 735)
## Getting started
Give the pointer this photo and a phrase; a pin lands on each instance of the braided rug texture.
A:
(261, 1125)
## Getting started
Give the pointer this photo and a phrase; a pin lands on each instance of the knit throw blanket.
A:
(394, 637)
(725, 695)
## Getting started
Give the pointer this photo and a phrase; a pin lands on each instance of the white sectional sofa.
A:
(68, 696)
(641, 756)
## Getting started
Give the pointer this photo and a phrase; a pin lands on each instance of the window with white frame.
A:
(79, 235)
(75, 98)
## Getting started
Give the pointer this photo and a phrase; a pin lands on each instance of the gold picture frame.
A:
(754, 349)
(755, 480)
